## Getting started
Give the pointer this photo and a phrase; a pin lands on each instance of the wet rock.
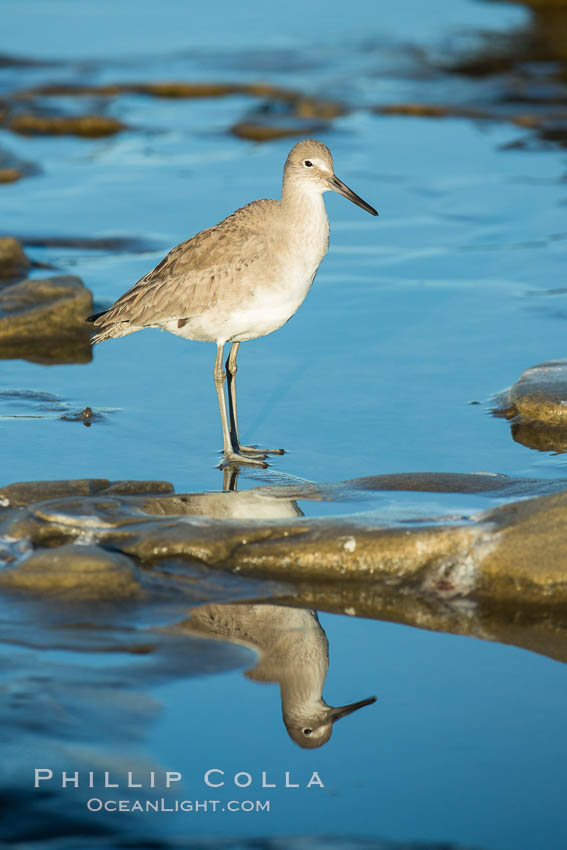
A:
(416, 482)
(8, 61)
(88, 126)
(44, 320)
(89, 243)
(296, 115)
(537, 406)
(517, 553)
(133, 488)
(10, 175)
(514, 554)
(35, 404)
(452, 482)
(162, 88)
(430, 110)
(30, 492)
(186, 90)
(314, 107)
(70, 90)
(80, 572)
(13, 261)
(539, 395)
(528, 551)
(270, 92)
(165, 89)
(500, 576)
(12, 168)
(303, 114)
(86, 416)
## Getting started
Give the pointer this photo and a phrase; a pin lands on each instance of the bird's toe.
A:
(255, 450)
(234, 458)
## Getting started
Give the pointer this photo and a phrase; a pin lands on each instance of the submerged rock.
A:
(167, 89)
(297, 116)
(286, 112)
(537, 406)
(89, 126)
(174, 89)
(86, 416)
(12, 168)
(10, 175)
(257, 131)
(134, 244)
(435, 110)
(44, 320)
(431, 110)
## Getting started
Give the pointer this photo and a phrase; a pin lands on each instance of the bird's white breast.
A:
(275, 303)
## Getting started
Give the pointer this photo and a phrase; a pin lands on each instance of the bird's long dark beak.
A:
(338, 186)
(343, 710)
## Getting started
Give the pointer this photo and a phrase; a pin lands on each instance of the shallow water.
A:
(415, 320)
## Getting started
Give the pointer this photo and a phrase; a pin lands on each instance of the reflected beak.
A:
(338, 186)
(343, 710)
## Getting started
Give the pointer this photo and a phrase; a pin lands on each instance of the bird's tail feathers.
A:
(94, 318)
(110, 329)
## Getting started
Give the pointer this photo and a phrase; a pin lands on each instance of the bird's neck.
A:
(303, 208)
(307, 225)
(301, 691)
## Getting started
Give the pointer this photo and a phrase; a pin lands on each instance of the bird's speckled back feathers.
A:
(192, 277)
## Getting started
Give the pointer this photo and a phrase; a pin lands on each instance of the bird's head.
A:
(313, 729)
(310, 163)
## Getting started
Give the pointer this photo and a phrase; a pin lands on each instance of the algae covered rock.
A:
(258, 131)
(44, 320)
(498, 575)
(10, 175)
(87, 126)
(537, 406)
(12, 168)
(24, 493)
(513, 554)
(13, 261)
(80, 572)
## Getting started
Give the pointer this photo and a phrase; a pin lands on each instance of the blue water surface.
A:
(440, 302)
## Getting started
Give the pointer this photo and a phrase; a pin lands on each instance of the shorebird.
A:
(240, 279)
(294, 652)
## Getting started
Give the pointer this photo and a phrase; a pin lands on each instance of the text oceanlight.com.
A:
(95, 804)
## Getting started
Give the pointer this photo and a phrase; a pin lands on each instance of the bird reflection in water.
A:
(293, 648)
(294, 652)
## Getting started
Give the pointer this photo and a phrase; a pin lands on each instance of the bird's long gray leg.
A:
(231, 369)
(230, 455)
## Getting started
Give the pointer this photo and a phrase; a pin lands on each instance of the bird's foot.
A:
(235, 457)
(254, 450)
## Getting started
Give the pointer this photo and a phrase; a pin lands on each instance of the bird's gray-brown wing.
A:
(194, 277)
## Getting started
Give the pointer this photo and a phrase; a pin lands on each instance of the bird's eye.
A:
(307, 731)
(308, 163)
